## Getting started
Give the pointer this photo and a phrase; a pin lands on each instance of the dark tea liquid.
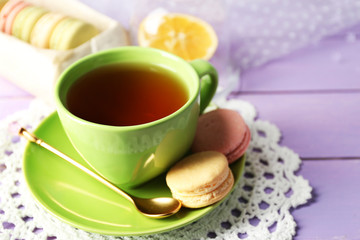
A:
(125, 95)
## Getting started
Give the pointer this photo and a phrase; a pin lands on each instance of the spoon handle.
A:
(32, 138)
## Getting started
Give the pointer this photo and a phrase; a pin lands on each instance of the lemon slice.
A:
(186, 36)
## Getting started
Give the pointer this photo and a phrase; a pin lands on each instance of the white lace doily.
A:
(258, 208)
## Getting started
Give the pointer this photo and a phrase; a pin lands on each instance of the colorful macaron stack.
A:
(204, 177)
(42, 28)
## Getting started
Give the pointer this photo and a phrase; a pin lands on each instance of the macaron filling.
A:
(203, 200)
(200, 179)
(41, 33)
(222, 130)
(70, 33)
(208, 188)
(241, 149)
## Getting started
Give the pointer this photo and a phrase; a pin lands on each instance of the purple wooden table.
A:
(314, 99)
(313, 96)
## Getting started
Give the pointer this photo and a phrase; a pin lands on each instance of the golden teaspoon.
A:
(151, 207)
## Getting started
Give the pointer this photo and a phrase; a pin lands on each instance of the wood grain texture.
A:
(314, 125)
(334, 212)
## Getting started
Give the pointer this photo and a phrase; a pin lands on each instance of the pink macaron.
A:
(8, 14)
(224, 131)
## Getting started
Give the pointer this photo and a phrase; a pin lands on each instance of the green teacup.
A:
(131, 155)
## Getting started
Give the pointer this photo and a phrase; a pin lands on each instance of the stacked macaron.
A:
(222, 130)
(200, 179)
(8, 14)
(42, 28)
(204, 177)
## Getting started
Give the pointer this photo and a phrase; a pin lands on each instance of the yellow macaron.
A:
(200, 179)
(70, 33)
(25, 21)
(43, 29)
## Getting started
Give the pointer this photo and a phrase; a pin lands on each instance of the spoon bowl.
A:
(159, 207)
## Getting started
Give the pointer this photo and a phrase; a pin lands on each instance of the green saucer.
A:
(77, 199)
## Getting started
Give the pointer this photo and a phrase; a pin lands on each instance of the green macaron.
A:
(25, 22)
(70, 33)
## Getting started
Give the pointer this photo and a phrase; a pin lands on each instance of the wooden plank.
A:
(334, 212)
(314, 125)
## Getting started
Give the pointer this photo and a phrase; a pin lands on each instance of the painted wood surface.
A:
(313, 96)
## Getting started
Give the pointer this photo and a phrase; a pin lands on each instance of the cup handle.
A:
(209, 81)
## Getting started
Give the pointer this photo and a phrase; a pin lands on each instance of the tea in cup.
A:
(132, 112)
